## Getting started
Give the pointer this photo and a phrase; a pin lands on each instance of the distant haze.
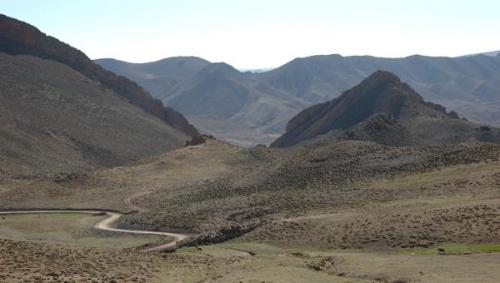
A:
(262, 33)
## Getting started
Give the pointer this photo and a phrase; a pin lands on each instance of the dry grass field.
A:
(238, 262)
(69, 230)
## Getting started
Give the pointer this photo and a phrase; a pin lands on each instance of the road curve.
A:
(129, 201)
(106, 225)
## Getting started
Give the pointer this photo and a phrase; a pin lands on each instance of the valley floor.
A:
(239, 262)
(342, 212)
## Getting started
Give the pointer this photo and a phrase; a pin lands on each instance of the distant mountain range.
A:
(249, 108)
(492, 53)
(385, 110)
(216, 97)
(59, 111)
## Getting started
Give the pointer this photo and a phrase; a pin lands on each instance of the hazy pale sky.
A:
(264, 33)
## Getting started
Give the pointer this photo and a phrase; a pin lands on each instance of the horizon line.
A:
(486, 53)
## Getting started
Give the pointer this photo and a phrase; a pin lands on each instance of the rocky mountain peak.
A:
(380, 93)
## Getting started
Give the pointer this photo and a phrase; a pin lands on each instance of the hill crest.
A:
(356, 115)
(20, 38)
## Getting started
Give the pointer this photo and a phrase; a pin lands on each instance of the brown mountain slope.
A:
(383, 109)
(53, 118)
(19, 38)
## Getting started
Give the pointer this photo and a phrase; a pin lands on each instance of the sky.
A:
(253, 34)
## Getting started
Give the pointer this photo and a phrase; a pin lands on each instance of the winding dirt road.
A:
(130, 201)
(106, 225)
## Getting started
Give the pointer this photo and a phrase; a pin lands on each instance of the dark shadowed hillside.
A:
(384, 110)
(19, 38)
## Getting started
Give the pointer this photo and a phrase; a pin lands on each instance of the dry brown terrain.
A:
(249, 262)
(342, 212)
(99, 182)
(459, 204)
